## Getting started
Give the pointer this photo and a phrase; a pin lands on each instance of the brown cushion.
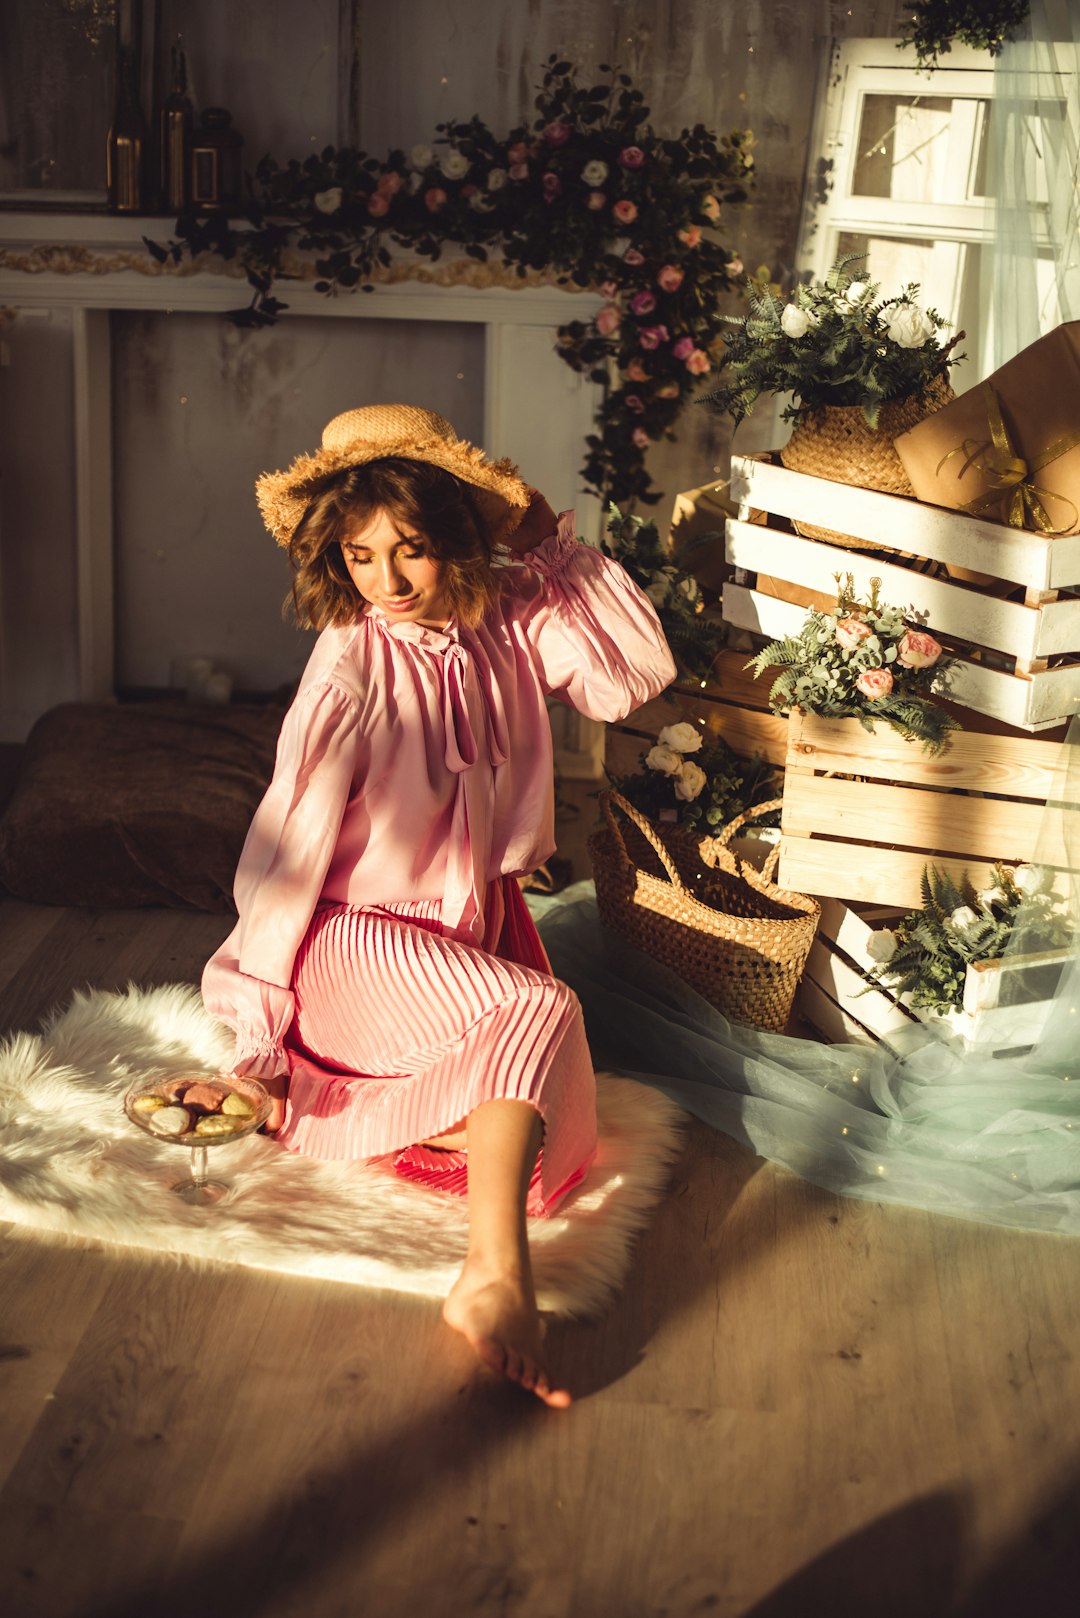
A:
(142, 804)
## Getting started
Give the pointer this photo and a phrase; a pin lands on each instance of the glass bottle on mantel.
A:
(175, 137)
(126, 168)
(215, 163)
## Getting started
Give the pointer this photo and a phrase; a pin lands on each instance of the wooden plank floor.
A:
(799, 1406)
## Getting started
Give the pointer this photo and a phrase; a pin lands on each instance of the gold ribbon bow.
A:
(1018, 498)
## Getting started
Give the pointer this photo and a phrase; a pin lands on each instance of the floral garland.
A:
(589, 190)
(862, 661)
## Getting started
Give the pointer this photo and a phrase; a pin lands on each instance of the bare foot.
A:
(497, 1316)
(277, 1089)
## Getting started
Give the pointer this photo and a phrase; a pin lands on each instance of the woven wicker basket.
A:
(838, 445)
(724, 927)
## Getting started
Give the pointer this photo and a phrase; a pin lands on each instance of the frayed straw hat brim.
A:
(501, 495)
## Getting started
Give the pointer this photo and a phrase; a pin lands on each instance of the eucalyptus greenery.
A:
(927, 954)
(587, 191)
(863, 661)
(694, 637)
(985, 24)
(833, 342)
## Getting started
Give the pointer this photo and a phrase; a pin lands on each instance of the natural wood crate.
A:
(865, 812)
(979, 621)
(836, 1000)
(733, 706)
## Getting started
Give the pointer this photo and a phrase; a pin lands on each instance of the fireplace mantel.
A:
(536, 410)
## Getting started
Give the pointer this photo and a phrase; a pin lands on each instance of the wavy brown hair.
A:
(433, 502)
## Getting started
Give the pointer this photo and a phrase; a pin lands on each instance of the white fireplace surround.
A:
(91, 264)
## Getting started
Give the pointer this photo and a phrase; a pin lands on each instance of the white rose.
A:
(595, 173)
(415, 182)
(665, 759)
(683, 737)
(1033, 879)
(454, 165)
(480, 202)
(658, 591)
(690, 780)
(992, 896)
(794, 320)
(857, 291)
(964, 919)
(328, 201)
(496, 179)
(421, 157)
(881, 946)
(908, 326)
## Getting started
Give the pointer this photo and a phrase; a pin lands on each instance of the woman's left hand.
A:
(538, 524)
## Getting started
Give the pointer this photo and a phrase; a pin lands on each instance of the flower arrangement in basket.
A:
(927, 954)
(694, 638)
(696, 782)
(862, 661)
(832, 342)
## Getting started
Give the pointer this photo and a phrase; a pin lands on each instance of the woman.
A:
(385, 980)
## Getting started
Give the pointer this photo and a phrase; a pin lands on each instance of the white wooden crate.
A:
(836, 999)
(1025, 633)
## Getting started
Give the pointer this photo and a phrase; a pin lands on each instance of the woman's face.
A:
(391, 565)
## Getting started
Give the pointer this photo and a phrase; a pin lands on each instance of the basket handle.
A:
(647, 830)
(724, 836)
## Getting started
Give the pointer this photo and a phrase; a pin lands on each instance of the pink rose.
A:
(697, 362)
(389, 184)
(596, 200)
(608, 320)
(632, 256)
(641, 438)
(669, 390)
(851, 632)
(625, 211)
(652, 336)
(683, 348)
(518, 171)
(917, 650)
(735, 266)
(377, 204)
(636, 372)
(557, 133)
(634, 404)
(710, 207)
(669, 277)
(874, 684)
(435, 198)
(691, 235)
(643, 303)
(631, 157)
(518, 152)
(552, 186)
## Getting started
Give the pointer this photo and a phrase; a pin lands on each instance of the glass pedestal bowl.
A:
(205, 1128)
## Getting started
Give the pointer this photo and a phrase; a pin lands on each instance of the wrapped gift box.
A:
(1009, 449)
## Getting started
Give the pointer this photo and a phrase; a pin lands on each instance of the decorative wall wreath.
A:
(588, 193)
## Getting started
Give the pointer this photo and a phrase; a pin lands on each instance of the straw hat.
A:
(376, 432)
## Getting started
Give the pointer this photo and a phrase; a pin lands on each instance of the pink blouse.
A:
(417, 764)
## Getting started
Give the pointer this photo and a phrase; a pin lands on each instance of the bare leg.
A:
(493, 1303)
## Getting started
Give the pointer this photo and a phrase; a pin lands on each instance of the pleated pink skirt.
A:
(400, 1032)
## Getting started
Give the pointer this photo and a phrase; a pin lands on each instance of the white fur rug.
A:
(71, 1162)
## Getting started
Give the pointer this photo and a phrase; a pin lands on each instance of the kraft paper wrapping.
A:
(1023, 468)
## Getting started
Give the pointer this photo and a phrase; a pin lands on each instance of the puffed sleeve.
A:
(596, 637)
(280, 875)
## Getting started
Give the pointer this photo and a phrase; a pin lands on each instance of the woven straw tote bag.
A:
(723, 926)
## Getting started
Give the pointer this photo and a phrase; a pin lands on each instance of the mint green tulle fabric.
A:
(988, 1132)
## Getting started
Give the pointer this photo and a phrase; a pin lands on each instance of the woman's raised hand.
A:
(538, 523)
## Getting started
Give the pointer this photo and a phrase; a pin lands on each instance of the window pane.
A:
(920, 148)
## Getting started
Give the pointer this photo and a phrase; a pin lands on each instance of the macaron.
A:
(204, 1098)
(171, 1121)
(148, 1102)
(215, 1123)
(237, 1106)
